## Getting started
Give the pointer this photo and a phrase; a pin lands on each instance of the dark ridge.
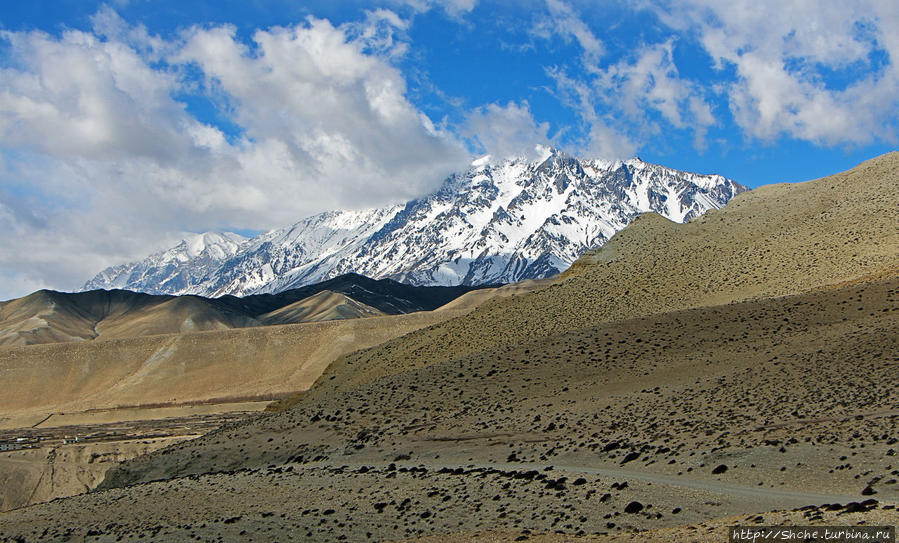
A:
(386, 295)
(73, 316)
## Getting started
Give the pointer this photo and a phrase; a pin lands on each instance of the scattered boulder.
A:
(630, 457)
(633, 507)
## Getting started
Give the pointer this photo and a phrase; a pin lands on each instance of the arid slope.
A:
(704, 413)
(189, 367)
(54, 472)
(772, 241)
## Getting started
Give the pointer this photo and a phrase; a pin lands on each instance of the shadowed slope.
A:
(53, 317)
(324, 306)
(385, 295)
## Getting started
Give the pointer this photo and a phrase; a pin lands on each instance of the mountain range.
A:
(48, 316)
(498, 222)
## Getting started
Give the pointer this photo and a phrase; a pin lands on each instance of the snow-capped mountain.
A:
(175, 270)
(497, 222)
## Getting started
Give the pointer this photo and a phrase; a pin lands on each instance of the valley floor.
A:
(64, 454)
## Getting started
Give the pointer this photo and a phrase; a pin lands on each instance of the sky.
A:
(125, 125)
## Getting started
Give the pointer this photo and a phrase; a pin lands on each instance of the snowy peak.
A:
(499, 221)
(218, 245)
(296, 255)
(172, 270)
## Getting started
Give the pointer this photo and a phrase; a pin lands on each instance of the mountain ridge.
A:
(495, 223)
(48, 316)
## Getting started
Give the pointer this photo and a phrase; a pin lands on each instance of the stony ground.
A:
(711, 531)
(643, 424)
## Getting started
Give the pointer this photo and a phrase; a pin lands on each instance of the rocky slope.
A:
(773, 241)
(648, 423)
(496, 223)
(175, 269)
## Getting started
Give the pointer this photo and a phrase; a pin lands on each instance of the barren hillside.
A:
(773, 241)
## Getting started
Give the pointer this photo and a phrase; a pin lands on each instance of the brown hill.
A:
(189, 367)
(53, 317)
(138, 365)
(324, 306)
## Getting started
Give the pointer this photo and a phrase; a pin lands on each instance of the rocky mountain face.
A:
(173, 271)
(495, 223)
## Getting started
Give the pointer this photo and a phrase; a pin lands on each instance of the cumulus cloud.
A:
(100, 127)
(821, 72)
(507, 130)
(313, 104)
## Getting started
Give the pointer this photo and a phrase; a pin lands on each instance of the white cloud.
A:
(651, 82)
(91, 125)
(383, 31)
(603, 138)
(76, 97)
(505, 131)
(317, 108)
(606, 142)
(565, 22)
(820, 72)
(614, 101)
(804, 69)
(453, 8)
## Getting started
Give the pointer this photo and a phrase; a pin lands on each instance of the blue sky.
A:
(125, 124)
